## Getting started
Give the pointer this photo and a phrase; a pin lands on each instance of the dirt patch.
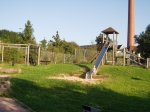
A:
(12, 105)
(10, 70)
(78, 79)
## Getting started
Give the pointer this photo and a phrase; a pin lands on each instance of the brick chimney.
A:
(131, 26)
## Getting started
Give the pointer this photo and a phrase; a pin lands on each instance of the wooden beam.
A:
(2, 54)
(14, 44)
(28, 51)
(116, 41)
(64, 58)
(113, 49)
(26, 55)
(39, 50)
(15, 47)
(147, 66)
(124, 57)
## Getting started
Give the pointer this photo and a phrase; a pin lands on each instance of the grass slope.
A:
(127, 89)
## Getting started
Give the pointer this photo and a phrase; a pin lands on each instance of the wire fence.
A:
(79, 56)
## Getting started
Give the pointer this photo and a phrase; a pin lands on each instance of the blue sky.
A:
(76, 20)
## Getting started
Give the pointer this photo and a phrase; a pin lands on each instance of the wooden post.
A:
(103, 38)
(113, 49)
(39, 55)
(26, 55)
(64, 58)
(124, 57)
(116, 41)
(75, 53)
(2, 53)
(84, 54)
(28, 51)
(147, 63)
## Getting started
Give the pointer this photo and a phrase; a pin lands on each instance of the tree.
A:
(99, 41)
(57, 42)
(43, 44)
(69, 47)
(59, 45)
(143, 41)
(7, 36)
(28, 33)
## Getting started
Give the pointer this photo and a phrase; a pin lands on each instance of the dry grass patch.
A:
(76, 78)
(10, 70)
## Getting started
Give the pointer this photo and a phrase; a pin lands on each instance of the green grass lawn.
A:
(125, 89)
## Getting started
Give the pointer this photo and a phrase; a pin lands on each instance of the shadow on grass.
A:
(69, 97)
(84, 67)
(136, 78)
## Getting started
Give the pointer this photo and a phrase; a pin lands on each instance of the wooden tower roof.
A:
(109, 30)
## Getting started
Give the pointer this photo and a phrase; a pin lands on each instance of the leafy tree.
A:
(28, 38)
(68, 47)
(143, 41)
(7, 36)
(43, 44)
(57, 42)
(59, 45)
(13, 55)
(99, 41)
(28, 33)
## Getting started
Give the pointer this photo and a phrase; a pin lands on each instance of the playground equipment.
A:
(26, 47)
(104, 49)
(100, 57)
(135, 59)
(98, 61)
(127, 57)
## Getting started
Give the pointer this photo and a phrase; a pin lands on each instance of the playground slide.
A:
(101, 55)
(98, 62)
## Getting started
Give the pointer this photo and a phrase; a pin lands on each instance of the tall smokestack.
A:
(131, 26)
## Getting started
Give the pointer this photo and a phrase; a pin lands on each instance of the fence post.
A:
(39, 50)
(2, 54)
(75, 53)
(28, 51)
(124, 57)
(147, 63)
(26, 55)
(84, 54)
(64, 58)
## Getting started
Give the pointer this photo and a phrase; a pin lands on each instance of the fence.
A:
(79, 56)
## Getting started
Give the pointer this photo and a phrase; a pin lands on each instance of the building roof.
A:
(109, 30)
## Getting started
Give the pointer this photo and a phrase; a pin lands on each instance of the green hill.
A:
(123, 89)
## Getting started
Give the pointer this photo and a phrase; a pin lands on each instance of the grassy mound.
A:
(126, 89)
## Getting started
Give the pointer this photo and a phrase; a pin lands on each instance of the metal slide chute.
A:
(101, 55)
(98, 61)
